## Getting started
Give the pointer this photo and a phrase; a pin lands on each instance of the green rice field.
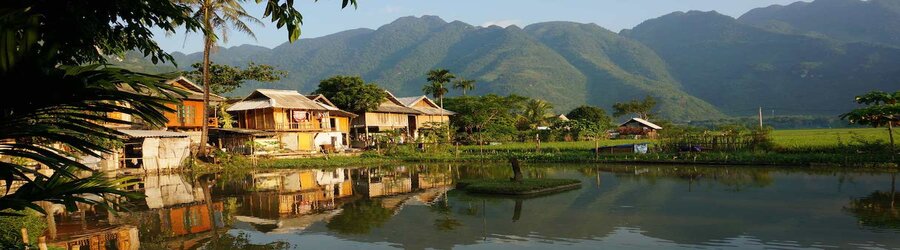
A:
(825, 138)
(783, 139)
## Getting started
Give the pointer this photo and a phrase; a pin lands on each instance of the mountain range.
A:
(699, 65)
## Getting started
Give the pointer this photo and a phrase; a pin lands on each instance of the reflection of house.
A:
(295, 119)
(296, 193)
(169, 190)
(430, 115)
(391, 115)
(374, 182)
(638, 126)
(119, 237)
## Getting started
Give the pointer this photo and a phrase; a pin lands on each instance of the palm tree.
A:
(536, 112)
(217, 16)
(464, 84)
(436, 80)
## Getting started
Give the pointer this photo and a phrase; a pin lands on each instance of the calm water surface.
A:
(415, 207)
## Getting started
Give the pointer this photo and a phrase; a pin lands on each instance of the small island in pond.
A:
(523, 187)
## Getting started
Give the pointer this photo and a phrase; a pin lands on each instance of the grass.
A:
(507, 187)
(827, 138)
(811, 147)
(551, 146)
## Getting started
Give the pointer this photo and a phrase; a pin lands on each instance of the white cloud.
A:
(502, 23)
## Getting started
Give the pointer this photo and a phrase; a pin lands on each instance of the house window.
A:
(186, 113)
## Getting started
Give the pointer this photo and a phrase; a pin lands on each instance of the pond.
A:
(415, 207)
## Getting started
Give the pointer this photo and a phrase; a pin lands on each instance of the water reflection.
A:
(414, 206)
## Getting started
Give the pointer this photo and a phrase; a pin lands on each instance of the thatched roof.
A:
(273, 98)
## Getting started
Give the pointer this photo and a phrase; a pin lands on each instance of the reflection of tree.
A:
(734, 179)
(360, 217)
(242, 241)
(442, 207)
(878, 209)
(517, 212)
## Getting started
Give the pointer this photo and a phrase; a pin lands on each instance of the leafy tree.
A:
(536, 112)
(464, 85)
(225, 78)
(589, 113)
(490, 115)
(218, 15)
(351, 93)
(882, 109)
(641, 108)
(436, 80)
(53, 123)
(360, 217)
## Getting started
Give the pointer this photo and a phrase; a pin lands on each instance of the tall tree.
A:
(351, 93)
(882, 109)
(225, 78)
(464, 85)
(222, 15)
(642, 108)
(436, 80)
(536, 112)
(589, 114)
(217, 16)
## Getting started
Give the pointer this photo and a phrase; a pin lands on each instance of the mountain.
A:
(738, 67)
(567, 64)
(874, 21)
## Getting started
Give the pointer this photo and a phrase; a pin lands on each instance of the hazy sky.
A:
(326, 17)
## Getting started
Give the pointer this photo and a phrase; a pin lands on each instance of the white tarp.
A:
(165, 153)
(324, 138)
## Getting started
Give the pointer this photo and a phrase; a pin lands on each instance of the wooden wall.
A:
(382, 120)
(190, 121)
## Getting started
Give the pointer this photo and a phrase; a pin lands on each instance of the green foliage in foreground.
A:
(11, 226)
(501, 186)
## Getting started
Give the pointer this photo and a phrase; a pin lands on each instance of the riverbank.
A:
(853, 148)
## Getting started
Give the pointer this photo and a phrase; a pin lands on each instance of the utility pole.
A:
(760, 118)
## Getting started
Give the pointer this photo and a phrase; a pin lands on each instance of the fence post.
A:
(25, 235)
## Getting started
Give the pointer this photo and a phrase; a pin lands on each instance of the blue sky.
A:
(326, 16)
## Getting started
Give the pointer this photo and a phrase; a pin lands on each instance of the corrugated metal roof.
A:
(409, 101)
(243, 131)
(390, 107)
(644, 122)
(152, 133)
(273, 98)
(412, 100)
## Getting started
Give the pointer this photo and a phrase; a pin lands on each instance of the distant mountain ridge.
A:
(567, 64)
(700, 65)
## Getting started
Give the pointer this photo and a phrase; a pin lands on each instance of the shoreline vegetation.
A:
(854, 148)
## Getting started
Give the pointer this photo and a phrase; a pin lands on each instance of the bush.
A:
(11, 226)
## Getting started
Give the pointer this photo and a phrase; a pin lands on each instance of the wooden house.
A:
(188, 115)
(391, 115)
(638, 126)
(339, 122)
(295, 119)
(430, 113)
